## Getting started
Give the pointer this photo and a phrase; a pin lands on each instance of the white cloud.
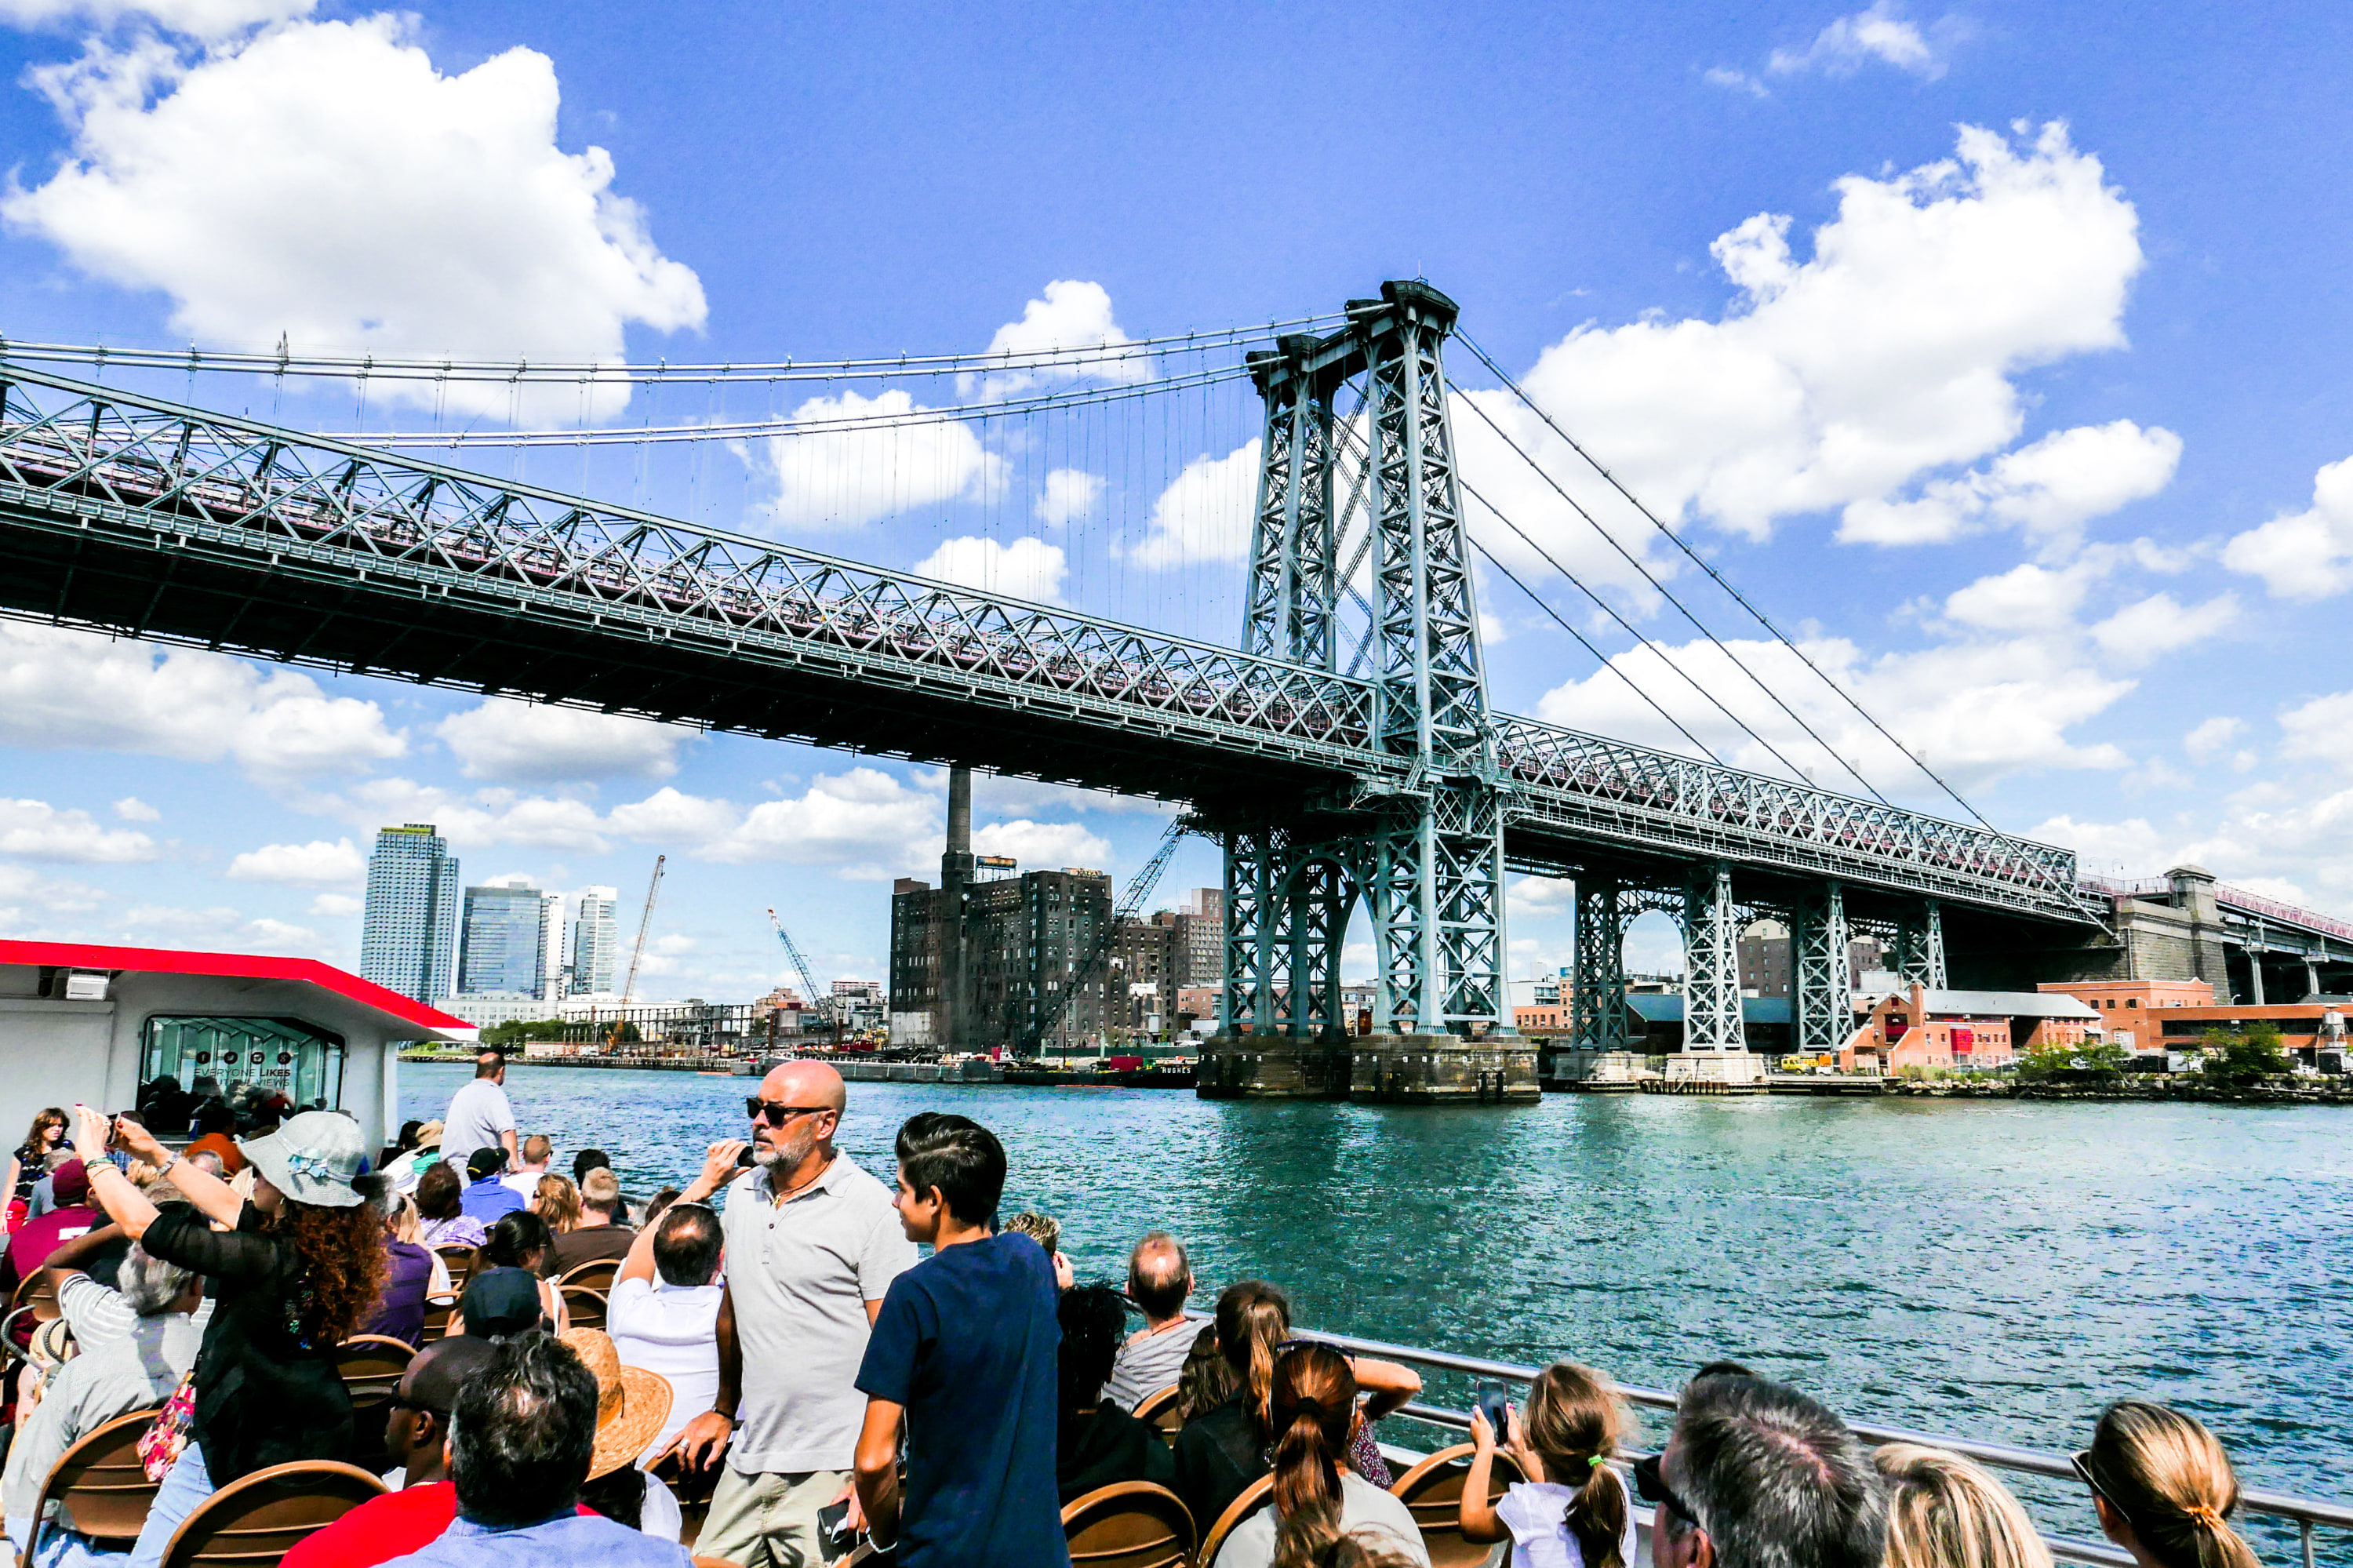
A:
(527, 743)
(2307, 554)
(38, 830)
(325, 181)
(337, 906)
(318, 864)
(864, 822)
(61, 689)
(2321, 729)
(1027, 568)
(671, 816)
(1206, 513)
(1072, 314)
(1540, 897)
(222, 930)
(2026, 597)
(2159, 624)
(2049, 490)
(479, 821)
(1043, 846)
(2204, 742)
(1975, 710)
(1735, 79)
(132, 809)
(830, 479)
(197, 18)
(1887, 355)
(1850, 43)
(1070, 494)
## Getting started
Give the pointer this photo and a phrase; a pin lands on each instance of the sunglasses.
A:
(1651, 1487)
(2082, 1460)
(775, 1115)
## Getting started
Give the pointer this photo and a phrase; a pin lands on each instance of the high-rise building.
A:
(411, 922)
(595, 942)
(507, 941)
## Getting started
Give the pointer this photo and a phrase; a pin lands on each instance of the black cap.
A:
(487, 1160)
(501, 1301)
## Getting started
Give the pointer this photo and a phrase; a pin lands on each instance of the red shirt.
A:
(382, 1528)
(30, 1248)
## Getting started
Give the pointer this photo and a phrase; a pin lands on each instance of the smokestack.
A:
(959, 810)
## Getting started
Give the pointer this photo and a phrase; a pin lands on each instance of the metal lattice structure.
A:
(1396, 785)
(1819, 984)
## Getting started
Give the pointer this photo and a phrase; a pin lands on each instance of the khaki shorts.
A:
(768, 1520)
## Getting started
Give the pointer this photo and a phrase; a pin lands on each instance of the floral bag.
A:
(160, 1444)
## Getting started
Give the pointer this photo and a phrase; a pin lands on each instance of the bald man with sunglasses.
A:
(812, 1246)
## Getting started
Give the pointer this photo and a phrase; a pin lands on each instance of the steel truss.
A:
(1598, 1002)
(1434, 884)
(160, 489)
(1819, 984)
(1920, 946)
(1710, 922)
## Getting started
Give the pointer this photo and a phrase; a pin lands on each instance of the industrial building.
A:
(987, 959)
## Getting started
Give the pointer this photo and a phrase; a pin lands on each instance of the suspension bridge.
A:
(1346, 753)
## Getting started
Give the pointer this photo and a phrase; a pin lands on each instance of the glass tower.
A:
(595, 942)
(411, 923)
(503, 948)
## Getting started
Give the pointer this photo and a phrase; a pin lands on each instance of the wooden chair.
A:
(459, 1261)
(1131, 1524)
(32, 1304)
(1258, 1494)
(596, 1274)
(102, 1485)
(261, 1518)
(1432, 1492)
(440, 1311)
(1160, 1409)
(371, 1365)
(584, 1307)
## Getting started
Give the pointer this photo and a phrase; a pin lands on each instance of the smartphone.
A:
(835, 1538)
(1493, 1401)
(740, 1160)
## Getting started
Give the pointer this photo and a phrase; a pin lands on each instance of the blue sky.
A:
(1996, 350)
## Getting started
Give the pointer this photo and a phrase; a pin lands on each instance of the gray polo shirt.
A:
(801, 1274)
(1148, 1364)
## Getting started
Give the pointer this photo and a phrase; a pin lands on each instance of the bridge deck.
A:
(136, 515)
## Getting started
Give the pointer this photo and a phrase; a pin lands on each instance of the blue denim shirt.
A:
(567, 1540)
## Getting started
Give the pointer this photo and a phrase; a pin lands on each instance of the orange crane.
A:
(636, 954)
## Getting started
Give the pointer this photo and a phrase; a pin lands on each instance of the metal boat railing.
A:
(2306, 1514)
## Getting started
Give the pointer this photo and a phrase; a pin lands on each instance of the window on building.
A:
(277, 1055)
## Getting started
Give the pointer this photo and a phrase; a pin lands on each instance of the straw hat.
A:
(430, 1136)
(631, 1403)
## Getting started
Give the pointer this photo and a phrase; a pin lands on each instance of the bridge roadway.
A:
(138, 516)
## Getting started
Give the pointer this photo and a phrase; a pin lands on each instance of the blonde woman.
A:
(557, 1202)
(2163, 1488)
(1943, 1511)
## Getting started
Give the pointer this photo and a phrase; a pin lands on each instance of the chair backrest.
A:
(596, 1274)
(1131, 1524)
(584, 1307)
(36, 1291)
(1258, 1494)
(438, 1312)
(459, 1261)
(1160, 1409)
(371, 1365)
(259, 1518)
(101, 1482)
(1432, 1492)
(693, 1488)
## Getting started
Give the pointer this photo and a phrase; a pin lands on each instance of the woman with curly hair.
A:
(300, 1268)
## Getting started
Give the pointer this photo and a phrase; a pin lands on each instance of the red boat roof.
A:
(429, 1020)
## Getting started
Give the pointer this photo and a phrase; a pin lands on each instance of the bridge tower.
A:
(1425, 858)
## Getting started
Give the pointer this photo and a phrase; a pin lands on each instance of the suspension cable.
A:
(1611, 611)
(1668, 595)
(790, 425)
(1601, 658)
(1738, 598)
(1075, 357)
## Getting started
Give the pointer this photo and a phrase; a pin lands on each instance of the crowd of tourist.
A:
(826, 1357)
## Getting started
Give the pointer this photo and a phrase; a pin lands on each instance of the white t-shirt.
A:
(525, 1184)
(477, 1114)
(671, 1330)
(660, 1517)
(1535, 1512)
(1363, 1506)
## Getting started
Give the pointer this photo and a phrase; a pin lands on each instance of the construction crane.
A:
(637, 953)
(824, 1004)
(1092, 964)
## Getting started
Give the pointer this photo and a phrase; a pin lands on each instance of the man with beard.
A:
(812, 1246)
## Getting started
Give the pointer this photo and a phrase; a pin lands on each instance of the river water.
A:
(1994, 1269)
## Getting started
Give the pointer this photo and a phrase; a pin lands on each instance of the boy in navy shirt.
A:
(964, 1349)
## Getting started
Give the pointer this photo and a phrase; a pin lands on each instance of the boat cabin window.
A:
(218, 1056)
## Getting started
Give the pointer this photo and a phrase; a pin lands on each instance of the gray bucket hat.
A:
(312, 1158)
